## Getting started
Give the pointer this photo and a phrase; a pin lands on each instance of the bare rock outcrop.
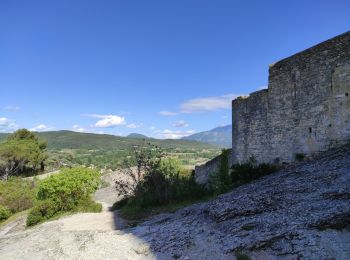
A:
(302, 212)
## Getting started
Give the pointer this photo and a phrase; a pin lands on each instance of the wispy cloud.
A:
(12, 108)
(133, 126)
(78, 128)
(7, 125)
(107, 121)
(169, 134)
(207, 104)
(41, 128)
(180, 123)
(203, 104)
(167, 113)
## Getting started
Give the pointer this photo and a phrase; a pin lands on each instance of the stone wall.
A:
(202, 172)
(305, 109)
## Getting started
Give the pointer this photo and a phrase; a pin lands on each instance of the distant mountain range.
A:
(219, 136)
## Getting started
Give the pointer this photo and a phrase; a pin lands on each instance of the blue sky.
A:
(162, 68)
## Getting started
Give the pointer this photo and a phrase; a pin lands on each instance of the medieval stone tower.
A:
(305, 109)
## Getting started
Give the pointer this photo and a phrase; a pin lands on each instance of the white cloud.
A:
(152, 128)
(205, 104)
(12, 108)
(169, 134)
(167, 113)
(41, 127)
(108, 120)
(180, 123)
(133, 126)
(208, 104)
(78, 128)
(7, 125)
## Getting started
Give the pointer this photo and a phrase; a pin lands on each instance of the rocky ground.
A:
(301, 212)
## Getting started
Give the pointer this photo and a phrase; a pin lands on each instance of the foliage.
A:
(241, 256)
(156, 180)
(220, 181)
(17, 194)
(21, 153)
(299, 157)
(69, 187)
(244, 173)
(70, 190)
(43, 210)
(5, 213)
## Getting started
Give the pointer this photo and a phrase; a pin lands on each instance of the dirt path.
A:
(79, 236)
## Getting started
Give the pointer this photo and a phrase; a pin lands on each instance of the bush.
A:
(17, 194)
(299, 157)
(220, 182)
(5, 213)
(70, 190)
(244, 173)
(157, 181)
(69, 187)
(41, 212)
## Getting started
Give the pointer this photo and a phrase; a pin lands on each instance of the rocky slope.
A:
(301, 212)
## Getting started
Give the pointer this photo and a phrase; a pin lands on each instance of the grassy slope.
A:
(74, 140)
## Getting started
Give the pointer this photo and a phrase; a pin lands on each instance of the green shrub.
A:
(241, 256)
(42, 211)
(17, 194)
(220, 181)
(70, 190)
(69, 187)
(163, 181)
(5, 213)
(244, 173)
(299, 157)
(89, 206)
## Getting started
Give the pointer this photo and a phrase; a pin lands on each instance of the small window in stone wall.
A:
(310, 130)
(346, 94)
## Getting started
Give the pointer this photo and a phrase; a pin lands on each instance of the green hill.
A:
(75, 140)
(136, 135)
(66, 148)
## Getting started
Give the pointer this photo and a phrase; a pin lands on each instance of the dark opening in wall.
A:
(346, 94)
(310, 130)
(330, 125)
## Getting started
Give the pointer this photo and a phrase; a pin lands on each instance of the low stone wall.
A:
(202, 172)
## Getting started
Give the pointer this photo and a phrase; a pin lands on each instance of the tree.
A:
(22, 152)
(147, 158)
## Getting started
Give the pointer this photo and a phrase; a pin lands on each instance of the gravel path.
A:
(79, 236)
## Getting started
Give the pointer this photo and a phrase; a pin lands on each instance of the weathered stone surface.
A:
(305, 109)
(301, 212)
